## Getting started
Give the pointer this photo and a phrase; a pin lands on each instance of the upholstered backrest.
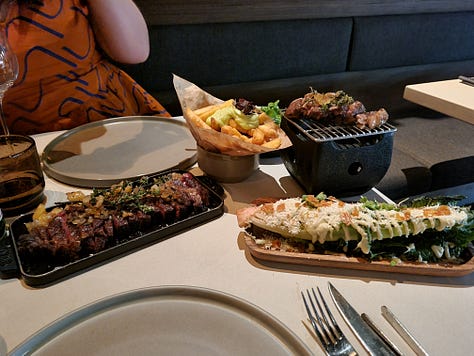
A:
(274, 49)
(411, 39)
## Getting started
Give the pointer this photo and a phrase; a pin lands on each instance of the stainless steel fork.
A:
(325, 326)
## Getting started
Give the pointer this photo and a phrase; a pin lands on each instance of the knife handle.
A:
(466, 80)
(403, 331)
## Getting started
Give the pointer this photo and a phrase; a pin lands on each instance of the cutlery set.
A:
(466, 80)
(326, 328)
(332, 339)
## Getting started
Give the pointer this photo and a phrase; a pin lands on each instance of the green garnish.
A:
(443, 200)
(375, 205)
(127, 195)
(273, 110)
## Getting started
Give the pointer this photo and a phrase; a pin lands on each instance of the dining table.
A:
(438, 310)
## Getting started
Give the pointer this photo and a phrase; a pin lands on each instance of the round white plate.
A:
(166, 320)
(105, 152)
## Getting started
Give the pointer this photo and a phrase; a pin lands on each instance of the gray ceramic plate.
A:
(105, 152)
(166, 320)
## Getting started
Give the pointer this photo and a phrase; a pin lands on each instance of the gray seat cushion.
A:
(429, 154)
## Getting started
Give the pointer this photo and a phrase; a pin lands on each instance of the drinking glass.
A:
(8, 67)
(21, 177)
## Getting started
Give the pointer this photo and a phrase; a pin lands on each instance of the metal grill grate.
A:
(321, 133)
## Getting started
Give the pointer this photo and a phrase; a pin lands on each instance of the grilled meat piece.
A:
(89, 224)
(354, 109)
(56, 240)
(335, 109)
(372, 119)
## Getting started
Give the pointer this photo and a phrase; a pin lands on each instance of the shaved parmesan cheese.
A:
(332, 220)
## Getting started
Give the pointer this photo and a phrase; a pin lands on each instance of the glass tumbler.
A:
(21, 177)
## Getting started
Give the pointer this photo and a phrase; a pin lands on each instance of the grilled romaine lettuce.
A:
(424, 232)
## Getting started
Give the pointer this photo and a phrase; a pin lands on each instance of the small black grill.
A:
(337, 160)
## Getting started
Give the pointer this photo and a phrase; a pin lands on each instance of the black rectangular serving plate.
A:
(11, 264)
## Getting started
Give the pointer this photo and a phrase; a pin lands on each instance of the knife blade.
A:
(372, 343)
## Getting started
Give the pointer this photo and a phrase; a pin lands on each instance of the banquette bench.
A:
(266, 50)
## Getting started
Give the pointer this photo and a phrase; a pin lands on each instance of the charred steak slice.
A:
(87, 224)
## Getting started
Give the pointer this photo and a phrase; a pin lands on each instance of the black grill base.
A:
(344, 167)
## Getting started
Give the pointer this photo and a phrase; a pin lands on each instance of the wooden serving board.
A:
(342, 261)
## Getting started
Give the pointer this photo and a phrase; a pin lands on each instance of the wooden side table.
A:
(450, 97)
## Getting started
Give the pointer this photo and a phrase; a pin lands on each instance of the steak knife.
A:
(368, 338)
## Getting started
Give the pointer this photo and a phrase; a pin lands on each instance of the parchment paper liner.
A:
(192, 97)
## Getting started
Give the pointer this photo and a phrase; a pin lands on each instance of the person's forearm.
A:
(120, 29)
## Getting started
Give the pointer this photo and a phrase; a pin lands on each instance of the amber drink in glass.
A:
(21, 177)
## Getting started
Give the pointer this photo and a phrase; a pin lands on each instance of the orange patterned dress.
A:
(64, 80)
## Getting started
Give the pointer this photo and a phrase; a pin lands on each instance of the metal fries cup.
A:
(225, 168)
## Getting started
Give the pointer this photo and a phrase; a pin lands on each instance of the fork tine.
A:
(325, 326)
(313, 321)
(320, 317)
(337, 331)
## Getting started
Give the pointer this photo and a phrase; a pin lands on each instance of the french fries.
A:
(197, 120)
(207, 111)
(266, 134)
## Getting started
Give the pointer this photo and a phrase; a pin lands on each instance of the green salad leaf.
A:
(273, 110)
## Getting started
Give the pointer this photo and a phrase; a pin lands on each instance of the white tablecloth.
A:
(437, 310)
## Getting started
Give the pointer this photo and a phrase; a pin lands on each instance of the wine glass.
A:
(8, 72)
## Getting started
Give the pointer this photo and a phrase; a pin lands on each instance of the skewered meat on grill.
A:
(372, 119)
(335, 109)
(87, 224)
